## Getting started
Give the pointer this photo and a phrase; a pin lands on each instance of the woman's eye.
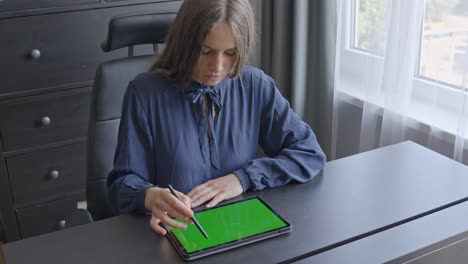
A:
(205, 51)
(230, 53)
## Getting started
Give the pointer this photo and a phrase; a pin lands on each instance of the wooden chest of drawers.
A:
(49, 51)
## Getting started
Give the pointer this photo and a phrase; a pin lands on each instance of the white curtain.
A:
(379, 99)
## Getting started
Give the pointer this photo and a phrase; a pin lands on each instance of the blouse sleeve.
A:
(134, 159)
(294, 154)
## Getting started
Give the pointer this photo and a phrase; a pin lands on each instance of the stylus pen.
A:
(193, 217)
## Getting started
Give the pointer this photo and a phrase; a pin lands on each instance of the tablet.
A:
(228, 226)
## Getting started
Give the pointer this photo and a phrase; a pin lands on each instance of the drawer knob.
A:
(61, 224)
(45, 121)
(54, 174)
(35, 54)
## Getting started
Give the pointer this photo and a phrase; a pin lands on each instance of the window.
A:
(444, 41)
(444, 45)
(440, 49)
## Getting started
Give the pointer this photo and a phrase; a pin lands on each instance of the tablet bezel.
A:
(229, 245)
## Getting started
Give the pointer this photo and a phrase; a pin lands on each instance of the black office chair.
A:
(111, 80)
(2, 230)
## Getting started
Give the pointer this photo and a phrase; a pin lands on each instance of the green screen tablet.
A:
(228, 226)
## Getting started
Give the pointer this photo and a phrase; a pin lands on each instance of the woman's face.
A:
(218, 56)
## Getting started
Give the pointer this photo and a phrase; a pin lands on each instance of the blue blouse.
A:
(163, 138)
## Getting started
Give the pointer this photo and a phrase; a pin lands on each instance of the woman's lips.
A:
(213, 77)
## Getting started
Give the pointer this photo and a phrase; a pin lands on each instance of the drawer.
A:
(17, 5)
(59, 49)
(46, 118)
(48, 174)
(45, 218)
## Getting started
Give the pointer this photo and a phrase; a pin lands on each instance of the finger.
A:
(196, 189)
(179, 209)
(217, 199)
(174, 207)
(200, 190)
(205, 197)
(180, 216)
(185, 199)
(195, 198)
(168, 221)
(161, 213)
(154, 223)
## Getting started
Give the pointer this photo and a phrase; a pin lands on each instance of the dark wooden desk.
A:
(441, 237)
(355, 197)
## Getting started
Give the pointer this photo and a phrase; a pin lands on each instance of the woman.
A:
(195, 119)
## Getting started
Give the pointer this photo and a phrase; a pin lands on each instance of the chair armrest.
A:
(78, 217)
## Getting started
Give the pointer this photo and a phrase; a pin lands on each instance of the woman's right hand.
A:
(163, 205)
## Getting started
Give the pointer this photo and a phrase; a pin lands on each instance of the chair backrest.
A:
(110, 84)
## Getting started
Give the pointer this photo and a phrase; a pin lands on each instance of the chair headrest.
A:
(136, 29)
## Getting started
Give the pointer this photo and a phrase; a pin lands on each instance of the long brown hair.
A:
(194, 20)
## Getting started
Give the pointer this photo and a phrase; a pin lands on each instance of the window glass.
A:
(444, 42)
(370, 26)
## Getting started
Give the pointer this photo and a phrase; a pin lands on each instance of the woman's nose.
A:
(216, 63)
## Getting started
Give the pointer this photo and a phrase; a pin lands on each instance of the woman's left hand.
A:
(216, 190)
